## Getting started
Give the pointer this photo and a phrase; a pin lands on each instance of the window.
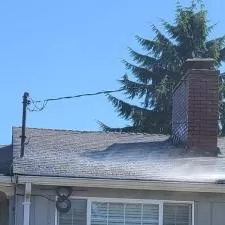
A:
(177, 214)
(130, 212)
(77, 214)
(124, 214)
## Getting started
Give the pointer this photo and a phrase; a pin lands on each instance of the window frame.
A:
(128, 200)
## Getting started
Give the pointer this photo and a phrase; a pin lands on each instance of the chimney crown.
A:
(199, 63)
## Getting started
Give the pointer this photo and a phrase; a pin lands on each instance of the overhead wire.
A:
(34, 106)
(39, 105)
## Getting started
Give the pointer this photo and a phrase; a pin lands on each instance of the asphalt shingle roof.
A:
(5, 159)
(112, 156)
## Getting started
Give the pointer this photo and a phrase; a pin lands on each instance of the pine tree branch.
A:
(162, 40)
(126, 110)
(162, 48)
(143, 119)
(134, 89)
(127, 129)
(156, 47)
(146, 44)
(142, 74)
(214, 49)
(144, 60)
(170, 29)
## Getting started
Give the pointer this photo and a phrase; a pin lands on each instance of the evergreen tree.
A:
(155, 73)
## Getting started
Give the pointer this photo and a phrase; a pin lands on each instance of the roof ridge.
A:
(86, 131)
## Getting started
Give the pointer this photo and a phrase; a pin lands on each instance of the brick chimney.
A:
(195, 107)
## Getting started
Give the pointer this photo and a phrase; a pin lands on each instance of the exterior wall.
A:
(209, 208)
(42, 211)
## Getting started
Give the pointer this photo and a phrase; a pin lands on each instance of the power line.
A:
(81, 95)
(41, 104)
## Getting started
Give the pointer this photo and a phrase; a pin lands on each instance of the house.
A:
(99, 178)
(6, 185)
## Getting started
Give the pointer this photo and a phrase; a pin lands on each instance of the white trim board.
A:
(124, 184)
(128, 200)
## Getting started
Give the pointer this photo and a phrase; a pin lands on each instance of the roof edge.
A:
(124, 184)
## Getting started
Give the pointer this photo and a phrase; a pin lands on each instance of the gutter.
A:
(124, 184)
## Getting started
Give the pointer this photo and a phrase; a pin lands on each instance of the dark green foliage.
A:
(159, 69)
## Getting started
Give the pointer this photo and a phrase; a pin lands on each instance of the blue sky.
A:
(57, 48)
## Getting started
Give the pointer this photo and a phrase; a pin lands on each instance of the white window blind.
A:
(77, 214)
(110, 213)
(116, 213)
(177, 214)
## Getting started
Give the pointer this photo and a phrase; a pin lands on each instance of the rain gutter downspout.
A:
(26, 204)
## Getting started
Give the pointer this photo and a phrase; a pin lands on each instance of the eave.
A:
(124, 184)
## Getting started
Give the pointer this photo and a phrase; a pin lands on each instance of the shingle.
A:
(5, 159)
(112, 156)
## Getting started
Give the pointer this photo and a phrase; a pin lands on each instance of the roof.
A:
(108, 155)
(5, 159)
